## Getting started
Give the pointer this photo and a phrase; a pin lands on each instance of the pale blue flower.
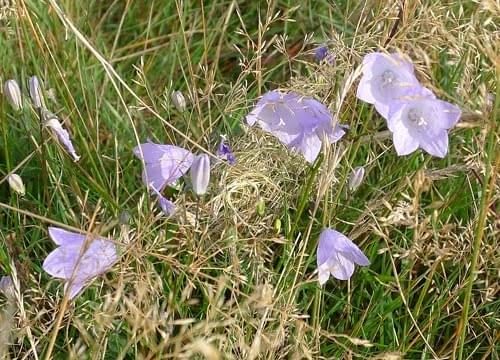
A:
(164, 164)
(386, 77)
(78, 260)
(336, 256)
(299, 122)
(418, 120)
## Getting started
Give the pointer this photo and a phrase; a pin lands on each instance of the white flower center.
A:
(388, 77)
(416, 117)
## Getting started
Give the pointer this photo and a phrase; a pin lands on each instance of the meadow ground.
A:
(233, 275)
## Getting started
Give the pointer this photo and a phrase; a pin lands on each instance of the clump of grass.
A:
(239, 281)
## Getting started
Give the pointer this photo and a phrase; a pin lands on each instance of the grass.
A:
(240, 282)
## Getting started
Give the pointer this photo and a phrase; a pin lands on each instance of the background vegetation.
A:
(240, 282)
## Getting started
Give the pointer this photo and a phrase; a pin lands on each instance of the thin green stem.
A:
(483, 211)
(5, 145)
(43, 161)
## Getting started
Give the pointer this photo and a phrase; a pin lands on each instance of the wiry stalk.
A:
(486, 191)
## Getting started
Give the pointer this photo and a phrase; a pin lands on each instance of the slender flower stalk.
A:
(492, 160)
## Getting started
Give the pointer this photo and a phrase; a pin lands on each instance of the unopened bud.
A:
(200, 173)
(7, 287)
(178, 100)
(261, 207)
(490, 101)
(35, 91)
(16, 184)
(277, 226)
(356, 178)
(12, 93)
(124, 217)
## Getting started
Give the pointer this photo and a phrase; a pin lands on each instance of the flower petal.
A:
(437, 145)
(364, 91)
(164, 164)
(60, 263)
(323, 274)
(450, 114)
(297, 121)
(386, 77)
(73, 289)
(68, 262)
(64, 237)
(403, 140)
(63, 137)
(152, 176)
(176, 163)
(343, 268)
(309, 146)
(151, 152)
(342, 244)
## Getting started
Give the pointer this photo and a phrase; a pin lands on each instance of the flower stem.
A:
(55, 331)
(488, 184)
(43, 161)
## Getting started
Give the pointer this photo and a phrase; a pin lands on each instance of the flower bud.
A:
(356, 178)
(490, 101)
(124, 217)
(35, 91)
(200, 173)
(13, 94)
(16, 184)
(7, 287)
(261, 207)
(277, 225)
(62, 134)
(178, 100)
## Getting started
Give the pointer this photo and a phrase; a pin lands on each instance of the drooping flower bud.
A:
(7, 287)
(200, 173)
(35, 91)
(16, 184)
(261, 207)
(63, 136)
(277, 225)
(356, 177)
(124, 217)
(13, 94)
(179, 100)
